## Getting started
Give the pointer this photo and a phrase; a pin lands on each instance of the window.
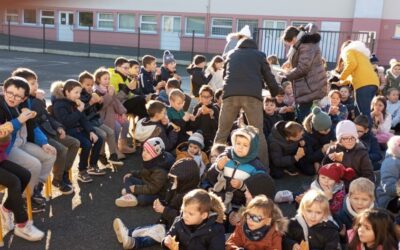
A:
(85, 19)
(12, 16)
(253, 24)
(299, 23)
(47, 17)
(30, 16)
(221, 27)
(148, 24)
(126, 22)
(105, 21)
(397, 31)
(195, 23)
(274, 24)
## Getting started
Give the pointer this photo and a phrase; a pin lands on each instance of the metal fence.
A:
(270, 42)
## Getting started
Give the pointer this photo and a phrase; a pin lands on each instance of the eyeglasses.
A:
(14, 96)
(254, 218)
(348, 139)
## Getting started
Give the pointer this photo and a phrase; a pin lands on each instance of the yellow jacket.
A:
(116, 79)
(357, 67)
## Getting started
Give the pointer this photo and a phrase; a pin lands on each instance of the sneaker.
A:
(66, 178)
(283, 196)
(103, 160)
(123, 191)
(7, 218)
(122, 234)
(63, 187)
(291, 172)
(84, 177)
(29, 232)
(114, 160)
(38, 199)
(156, 232)
(36, 208)
(128, 200)
(95, 170)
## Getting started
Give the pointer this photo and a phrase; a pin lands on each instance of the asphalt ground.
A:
(84, 220)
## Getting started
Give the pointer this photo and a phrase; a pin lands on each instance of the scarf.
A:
(199, 161)
(100, 89)
(257, 234)
(155, 162)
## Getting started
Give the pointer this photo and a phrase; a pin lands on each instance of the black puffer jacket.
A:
(245, 71)
(308, 73)
(198, 78)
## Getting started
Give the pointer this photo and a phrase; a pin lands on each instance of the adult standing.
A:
(232, 39)
(305, 67)
(358, 71)
(245, 72)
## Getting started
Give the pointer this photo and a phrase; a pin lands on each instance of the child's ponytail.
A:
(217, 206)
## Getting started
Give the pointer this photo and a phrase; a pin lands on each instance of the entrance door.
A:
(65, 26)
(170, 35)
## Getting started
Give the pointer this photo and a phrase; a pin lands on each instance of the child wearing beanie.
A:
(318, 137)
(235, 165)
(349, 151)
(193, 149)
(390, 174)
(142, 187)
(182, 178)
(168, 68)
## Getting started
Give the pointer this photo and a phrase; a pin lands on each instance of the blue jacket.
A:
(35, 135)
(147, 82)
(314, 143)
(371, 143)
(390, 174)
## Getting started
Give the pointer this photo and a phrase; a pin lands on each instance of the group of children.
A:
(208, 196)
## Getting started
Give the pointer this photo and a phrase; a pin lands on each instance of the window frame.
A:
(189, 32)
(245, 19)
(41, 17)
(396, 27)
(220, 26)
(112, 21)
(147, 22)
(78, 24)
(23, 17)
(124, 29)
(7, 14)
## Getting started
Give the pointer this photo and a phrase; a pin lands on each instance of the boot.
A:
(124, 148)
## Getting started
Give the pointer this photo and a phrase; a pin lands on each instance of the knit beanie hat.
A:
(187, 173)
(320, 120)
(346, 128)
(154, 146)
(245, 31)
(373, 59)
(168, 57)
(261, 184)
(197, 138)
(337, 172)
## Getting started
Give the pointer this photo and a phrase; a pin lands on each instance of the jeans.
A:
(87, 149)
(15, 178)
(143, 199)
(364, 96)
(253, 109)
(107, 134)
(303, 109)
(67, 149)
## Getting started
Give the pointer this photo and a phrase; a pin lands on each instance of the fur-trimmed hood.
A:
(56, 90)
(357, 46)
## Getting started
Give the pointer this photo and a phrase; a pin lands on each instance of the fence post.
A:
(44, 38)
(193, 33)
(138, 45)
(9, 34)
(89, 40)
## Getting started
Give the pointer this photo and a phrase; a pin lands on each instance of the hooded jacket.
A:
(66, 112)
(197, 78)
(246, 71)
(390, 174)
(357, 67)
(147, 129)
(308, 72)
(206, 123)
(314, 143)
(117, 78)
(91, 111)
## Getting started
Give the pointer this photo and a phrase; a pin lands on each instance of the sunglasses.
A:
(254, 218)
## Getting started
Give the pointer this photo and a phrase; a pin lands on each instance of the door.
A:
(65, 26)
(170, 34)
(270, 38)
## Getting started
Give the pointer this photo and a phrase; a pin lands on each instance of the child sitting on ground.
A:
(285, 110)
(390, 175)
(285, 148)
(262, 227)
(177, 116)
(193, 149)
(393, 75)
(216, 69)
(173, 83)
(348, 101)
(205, 116)
(218, 98)
(349, 151)
(197, 74)
(147, 77)
(157, 125)
(168, 68)
(393, 108)
(337, 111)
(381, 120)
(200, 224)
(369, 140)
(182, 178)
(142, 187)
(270, 116)
(311, 228)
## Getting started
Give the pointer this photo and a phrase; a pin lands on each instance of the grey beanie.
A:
(197, 138)
(168, 57)
(320, 120)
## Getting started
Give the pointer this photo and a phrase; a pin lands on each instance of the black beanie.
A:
(261, 184)
(187, 172)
